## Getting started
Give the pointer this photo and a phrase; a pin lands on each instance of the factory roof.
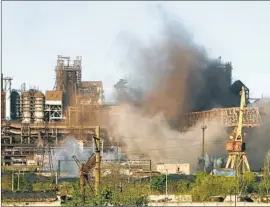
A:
(39, 94)
(26, 94)
(54, 95)
(86, 84)
(238, 85)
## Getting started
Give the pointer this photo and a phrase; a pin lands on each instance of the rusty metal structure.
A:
(236, 147)
(74, 107)
(69, 109)
(85, 172)
(68, 76)
(227, 116)
(93, 162)
(54, 105)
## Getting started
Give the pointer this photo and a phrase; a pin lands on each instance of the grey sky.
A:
(34, 33)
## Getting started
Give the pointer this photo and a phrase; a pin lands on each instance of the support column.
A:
(98, 160)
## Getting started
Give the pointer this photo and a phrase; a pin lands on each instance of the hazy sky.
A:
(34, 33)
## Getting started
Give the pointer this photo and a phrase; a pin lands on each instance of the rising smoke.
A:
(258, 139)
(174, 75)
(152, 138)
(71, 146)
(170, 76)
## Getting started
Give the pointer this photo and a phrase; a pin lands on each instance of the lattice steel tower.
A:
(68, 76)
(237, 159)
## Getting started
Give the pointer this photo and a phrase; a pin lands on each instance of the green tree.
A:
(208, 185)
(159, 183)
(172, 186)
(201, 177)
(183, 187)
(25, 182)
(264, 186)
(247, 183)
(42, 186)
(131, 195)
(6, 182)
(77, 199)
(115, 189)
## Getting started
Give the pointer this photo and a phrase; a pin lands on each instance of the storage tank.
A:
(15, 105)
(26, 108)
(39, 107)
(3, 105)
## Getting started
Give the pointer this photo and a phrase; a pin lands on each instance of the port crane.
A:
(237, 159)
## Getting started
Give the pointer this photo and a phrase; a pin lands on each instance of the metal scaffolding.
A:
(25, 133)
(54, 105)
(68, 77)
(228, 116)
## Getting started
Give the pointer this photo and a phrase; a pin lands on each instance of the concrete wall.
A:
(173, 168)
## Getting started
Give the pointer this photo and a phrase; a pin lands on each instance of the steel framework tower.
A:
(68, 76)
(237, 159)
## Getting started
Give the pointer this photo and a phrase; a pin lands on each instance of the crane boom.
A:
(241, 114)
(237, 159)
(90, 164)
(77, 161)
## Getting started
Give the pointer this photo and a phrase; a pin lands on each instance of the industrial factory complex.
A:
(35, 126)
(32, 120)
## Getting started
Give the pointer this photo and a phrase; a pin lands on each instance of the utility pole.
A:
(166, 183)
(102, 147)
(98, 160)
(203, 127)
(118, 152)
(12, 182)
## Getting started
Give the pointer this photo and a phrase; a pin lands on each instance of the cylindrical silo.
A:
(15, 106)
(8, 102)
(39, 107)
(26, 108)
(3, 105)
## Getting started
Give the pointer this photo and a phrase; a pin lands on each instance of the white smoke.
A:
(152, 137)
(70, 147)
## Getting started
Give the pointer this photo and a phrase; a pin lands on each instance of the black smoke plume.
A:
(170, 76)
(173, 75)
